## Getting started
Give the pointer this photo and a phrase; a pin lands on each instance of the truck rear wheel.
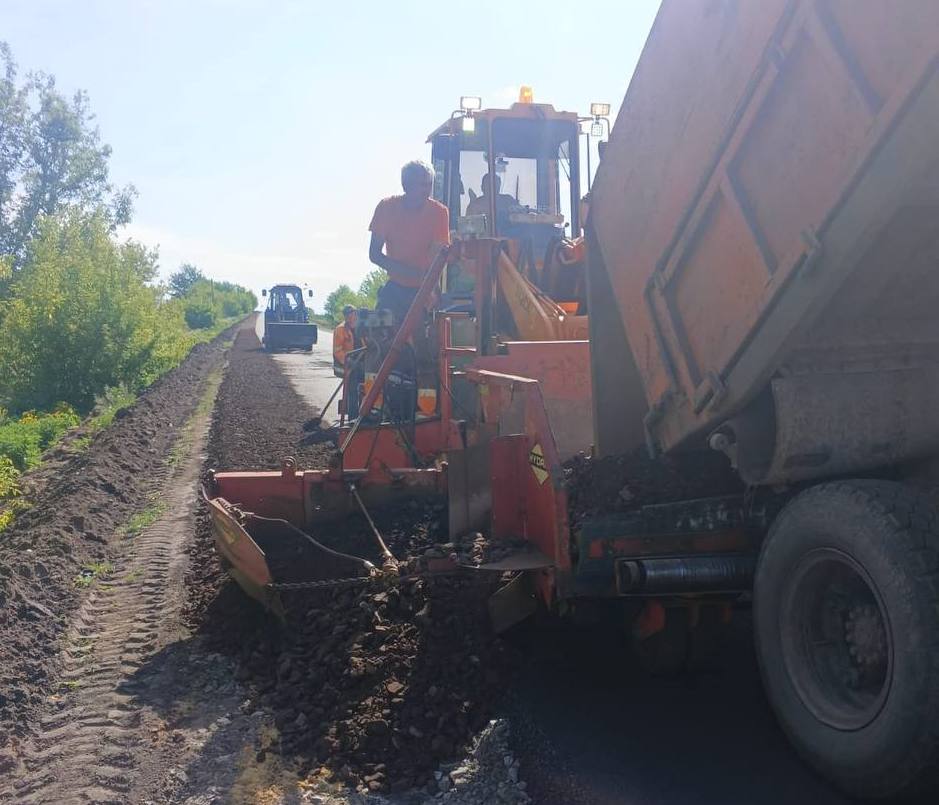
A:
(846, 613)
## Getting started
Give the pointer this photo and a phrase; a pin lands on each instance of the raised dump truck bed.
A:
(764, 281)
(766, 212)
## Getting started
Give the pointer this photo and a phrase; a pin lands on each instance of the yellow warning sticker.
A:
(536, 460)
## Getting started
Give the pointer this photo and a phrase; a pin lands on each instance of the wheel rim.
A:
(837, 645)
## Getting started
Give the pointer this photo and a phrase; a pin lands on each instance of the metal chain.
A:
(318, 585)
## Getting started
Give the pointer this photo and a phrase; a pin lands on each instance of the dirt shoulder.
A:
(79, 516)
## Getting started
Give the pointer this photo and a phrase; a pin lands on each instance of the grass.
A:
(93, 572)
(203, 409)
(22, 442)
(81, 444)
(11, 509)
(23, 439)
(141, 520)
(112, 401)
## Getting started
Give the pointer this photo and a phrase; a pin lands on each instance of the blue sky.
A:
(261, 135)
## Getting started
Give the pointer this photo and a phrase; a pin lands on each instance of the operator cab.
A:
(530, 150)
(513, 174)
(285, 303)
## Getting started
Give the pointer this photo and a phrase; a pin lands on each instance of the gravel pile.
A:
(376, 686)
(489, 773)
(371, 689)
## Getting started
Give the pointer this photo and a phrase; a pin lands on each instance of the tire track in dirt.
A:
(91, 748)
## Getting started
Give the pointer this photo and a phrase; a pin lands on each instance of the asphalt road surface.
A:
(591, 727)
(311, 372)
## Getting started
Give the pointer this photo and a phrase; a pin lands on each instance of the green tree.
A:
(366, 296)
(51, 158)
(373, 281)
(207, 302)
(13, 113)
(82, 317)
(182, 281)
(338, 299)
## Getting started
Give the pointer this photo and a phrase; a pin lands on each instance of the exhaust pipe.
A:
(675, 575)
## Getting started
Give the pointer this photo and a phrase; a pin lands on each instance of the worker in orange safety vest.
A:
(344, 339)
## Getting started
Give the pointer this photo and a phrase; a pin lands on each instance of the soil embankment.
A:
(75, 523)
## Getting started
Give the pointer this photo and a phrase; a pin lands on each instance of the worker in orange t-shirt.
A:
(408, 231)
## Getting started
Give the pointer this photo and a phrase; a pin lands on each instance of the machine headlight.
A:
(471, 103)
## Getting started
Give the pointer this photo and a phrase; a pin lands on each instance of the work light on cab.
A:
(470, 103)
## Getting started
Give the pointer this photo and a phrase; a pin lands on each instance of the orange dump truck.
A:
(764, 281)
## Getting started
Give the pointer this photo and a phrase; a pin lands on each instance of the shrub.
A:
(23, 441)
(81, 316)
(199, 317)
(9, 488)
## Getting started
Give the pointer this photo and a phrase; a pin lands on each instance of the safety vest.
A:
(343, 343)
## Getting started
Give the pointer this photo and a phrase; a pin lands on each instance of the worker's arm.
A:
(377, 255)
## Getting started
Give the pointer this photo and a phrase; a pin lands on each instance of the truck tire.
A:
(846, 616)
